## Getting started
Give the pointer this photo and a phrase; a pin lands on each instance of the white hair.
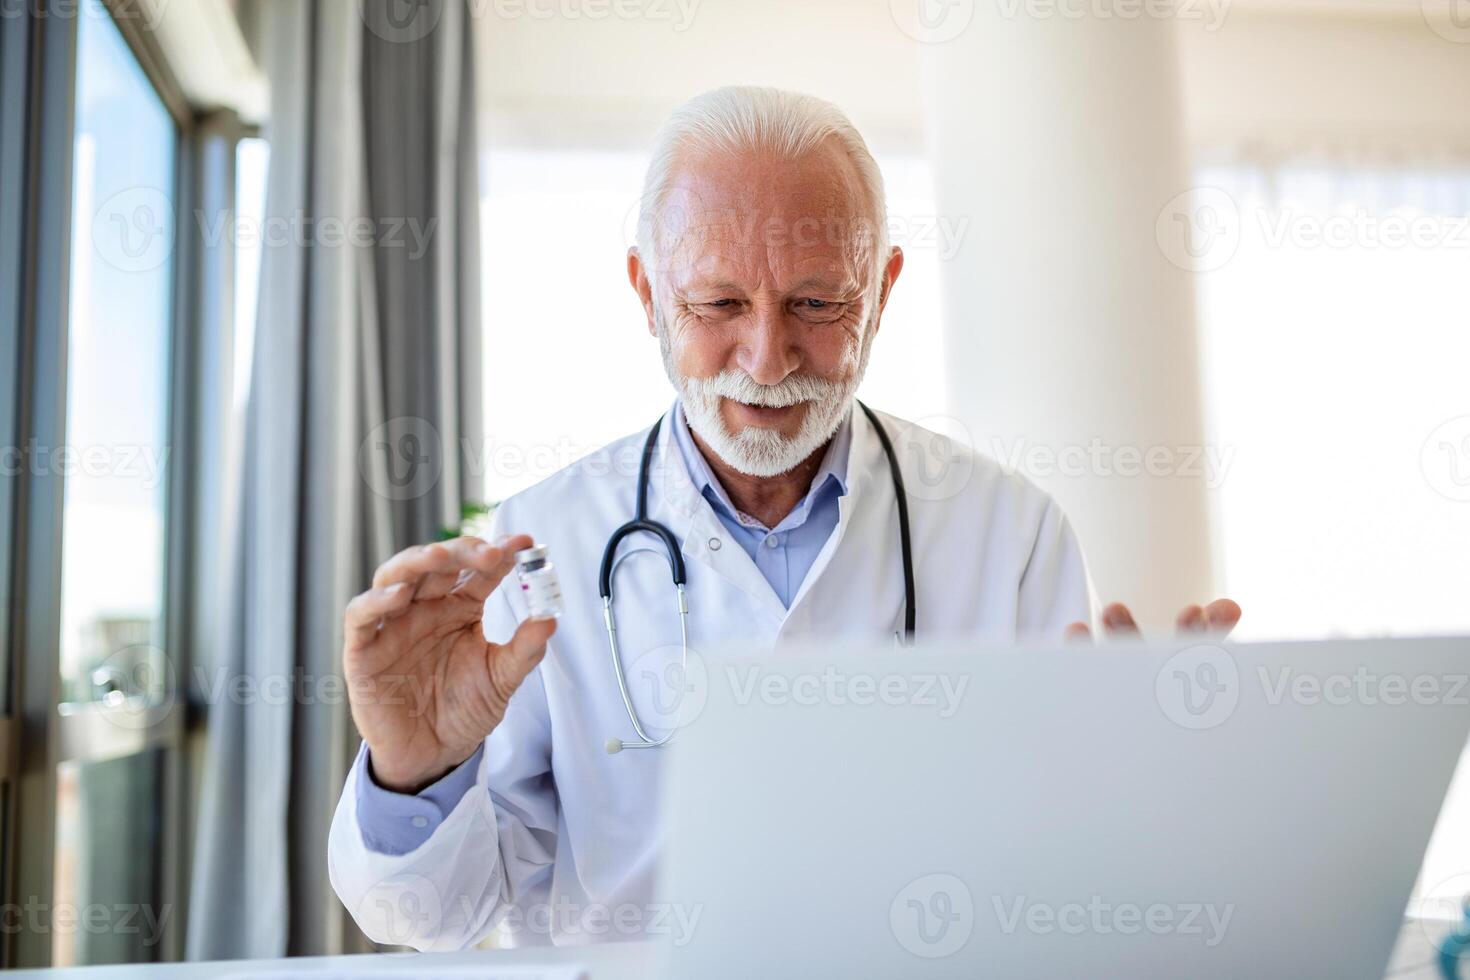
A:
(742, 118)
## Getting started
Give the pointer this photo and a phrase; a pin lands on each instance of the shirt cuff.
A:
(397, 823)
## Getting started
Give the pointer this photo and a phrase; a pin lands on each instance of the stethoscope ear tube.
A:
(905, 546)
(640, 522)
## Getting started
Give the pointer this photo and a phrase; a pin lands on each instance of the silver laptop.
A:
(1200, 810)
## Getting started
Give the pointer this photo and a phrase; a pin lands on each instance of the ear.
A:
(638, 279)
(890, 276)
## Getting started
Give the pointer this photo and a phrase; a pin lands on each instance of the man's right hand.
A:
(426, 687)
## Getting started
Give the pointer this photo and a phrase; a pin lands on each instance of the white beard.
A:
(754, 450)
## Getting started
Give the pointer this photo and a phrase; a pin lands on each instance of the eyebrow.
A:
(711, 286)
(847, 283)
(811, 281)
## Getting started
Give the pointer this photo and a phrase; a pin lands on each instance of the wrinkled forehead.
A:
(756, 214)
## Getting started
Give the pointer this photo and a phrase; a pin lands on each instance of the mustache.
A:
(741, 387)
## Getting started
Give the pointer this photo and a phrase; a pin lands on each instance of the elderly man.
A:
(483, 793)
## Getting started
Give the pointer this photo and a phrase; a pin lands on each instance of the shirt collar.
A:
(833, 469)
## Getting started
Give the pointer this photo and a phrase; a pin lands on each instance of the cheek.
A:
(833, 351)
(699, 351)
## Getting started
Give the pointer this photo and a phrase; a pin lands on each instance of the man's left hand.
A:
(1218, 619)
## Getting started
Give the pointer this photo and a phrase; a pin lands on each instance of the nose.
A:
(768, 352)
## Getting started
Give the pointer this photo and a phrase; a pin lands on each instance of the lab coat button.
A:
(714, 544)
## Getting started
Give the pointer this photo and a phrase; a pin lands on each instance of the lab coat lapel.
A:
(855, 568)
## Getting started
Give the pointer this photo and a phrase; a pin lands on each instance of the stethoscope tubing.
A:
(641, 523)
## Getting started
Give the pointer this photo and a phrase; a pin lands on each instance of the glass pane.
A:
(114, 461)
(116, 453)
(106, 907)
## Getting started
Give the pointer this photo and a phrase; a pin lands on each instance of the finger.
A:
(514, 661)
(448, 558)
(473, 582)
(1117, 619)
(367, 611)
(1222, 615)
(413, 564)
(1077, 631)
(438, 584)
(473, 585)
(1191, 620)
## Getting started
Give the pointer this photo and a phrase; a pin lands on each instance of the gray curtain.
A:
(363, 401)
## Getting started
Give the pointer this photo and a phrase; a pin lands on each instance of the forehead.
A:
(758, 213)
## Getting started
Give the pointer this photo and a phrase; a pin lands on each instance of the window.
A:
(115, 676)
(1335, 351)
(558, 306)
(252, 163)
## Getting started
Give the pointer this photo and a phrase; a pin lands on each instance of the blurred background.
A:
(290, 285)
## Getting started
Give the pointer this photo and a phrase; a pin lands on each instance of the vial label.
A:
(542, 592)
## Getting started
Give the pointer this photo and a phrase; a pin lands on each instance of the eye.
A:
(818, 310)
(720, 303)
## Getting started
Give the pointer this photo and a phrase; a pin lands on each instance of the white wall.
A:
(1364, 79)
(609, 81)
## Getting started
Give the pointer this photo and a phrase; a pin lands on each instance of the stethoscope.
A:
(642, 522)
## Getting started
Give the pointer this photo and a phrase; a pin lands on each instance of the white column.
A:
(1070, 335)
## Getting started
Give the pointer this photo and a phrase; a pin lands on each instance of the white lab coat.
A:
(564, 837)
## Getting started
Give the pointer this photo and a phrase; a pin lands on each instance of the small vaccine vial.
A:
(540, 585)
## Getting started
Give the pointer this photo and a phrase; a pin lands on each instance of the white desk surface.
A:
(1414, 959)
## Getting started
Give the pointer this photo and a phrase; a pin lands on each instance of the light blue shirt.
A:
(785, 553)
(397, 823)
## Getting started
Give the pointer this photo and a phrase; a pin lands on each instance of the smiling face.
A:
(765, 296)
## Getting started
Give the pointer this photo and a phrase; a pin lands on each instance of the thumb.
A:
(515, 659)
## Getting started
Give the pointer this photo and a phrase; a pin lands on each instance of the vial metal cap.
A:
(536, 553)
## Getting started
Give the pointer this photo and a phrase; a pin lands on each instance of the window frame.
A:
(37, 119)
